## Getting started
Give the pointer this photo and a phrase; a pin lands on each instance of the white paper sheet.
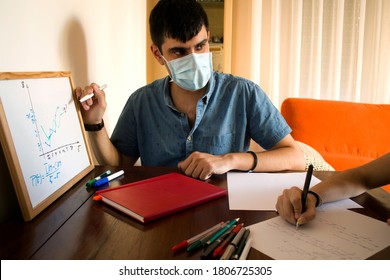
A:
(333, 235)
(259, 191)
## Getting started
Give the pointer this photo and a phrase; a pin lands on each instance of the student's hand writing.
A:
(94, 107)
(203, 165)
(289, 206)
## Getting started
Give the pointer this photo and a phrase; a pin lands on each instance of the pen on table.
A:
(103, 175)
(305, 190)
(247, 247)
(222, 231)
(107, 179)
(186, 243)
(241, 245)
(233, 245)
(220, 249)
(203, 240)
(88, 96)
(210, 249)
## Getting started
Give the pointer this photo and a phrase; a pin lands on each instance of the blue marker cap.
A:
(100, 182)
(105, 174)
(107, 179)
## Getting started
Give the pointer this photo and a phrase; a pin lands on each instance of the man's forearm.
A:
(285, 158)
(104, 151)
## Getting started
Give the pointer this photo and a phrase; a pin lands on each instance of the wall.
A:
(154, 69)
(99, 41)
(241, 38)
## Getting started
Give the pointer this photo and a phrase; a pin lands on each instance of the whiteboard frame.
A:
(15, 169)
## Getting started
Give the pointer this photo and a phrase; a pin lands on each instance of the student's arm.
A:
(342, 185)
(355, 181)
(286, 155)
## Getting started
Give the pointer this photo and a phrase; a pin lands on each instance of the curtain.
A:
(323, 49)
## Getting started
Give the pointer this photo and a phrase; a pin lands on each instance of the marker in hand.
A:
(305, 192)
(107, 179)
(88, 96)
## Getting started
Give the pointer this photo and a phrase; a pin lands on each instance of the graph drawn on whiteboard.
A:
(45, 128)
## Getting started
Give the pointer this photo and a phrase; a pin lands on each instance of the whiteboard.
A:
(42, 136)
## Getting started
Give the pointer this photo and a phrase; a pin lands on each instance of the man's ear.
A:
(157, 54)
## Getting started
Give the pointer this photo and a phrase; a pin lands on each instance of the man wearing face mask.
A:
(196, 119)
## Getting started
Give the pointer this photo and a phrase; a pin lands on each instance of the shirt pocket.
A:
(219, 144)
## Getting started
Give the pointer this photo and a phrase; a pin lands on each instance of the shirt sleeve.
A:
(124, 137)
(266, 124)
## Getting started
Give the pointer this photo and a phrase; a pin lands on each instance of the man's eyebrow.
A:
(202, 42)
(177, 49)
(182, 49)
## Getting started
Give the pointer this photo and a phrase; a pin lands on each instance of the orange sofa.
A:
(346, 134)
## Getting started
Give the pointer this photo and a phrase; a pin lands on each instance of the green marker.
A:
(222, 231)
(103, 175)
(199, 243)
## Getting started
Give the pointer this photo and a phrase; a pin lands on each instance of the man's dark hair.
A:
(177, 19)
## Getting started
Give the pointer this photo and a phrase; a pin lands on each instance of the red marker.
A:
(221, 248)
(188, 242)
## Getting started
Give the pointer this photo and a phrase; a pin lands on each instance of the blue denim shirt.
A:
(232, 111)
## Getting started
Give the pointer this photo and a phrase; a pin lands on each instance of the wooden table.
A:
(76, 227)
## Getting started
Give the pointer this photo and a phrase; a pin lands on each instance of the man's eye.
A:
(200, 47)
(179, 53)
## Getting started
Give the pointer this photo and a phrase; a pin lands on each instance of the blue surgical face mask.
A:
(191, 72)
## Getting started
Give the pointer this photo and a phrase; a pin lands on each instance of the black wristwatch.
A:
(94, 127)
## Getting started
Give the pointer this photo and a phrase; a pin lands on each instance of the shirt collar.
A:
(167, 93)
(210, 89)
(205, 98)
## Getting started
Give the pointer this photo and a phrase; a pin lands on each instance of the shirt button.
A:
(182, 114)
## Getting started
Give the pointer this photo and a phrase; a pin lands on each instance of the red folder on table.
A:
(156, 197)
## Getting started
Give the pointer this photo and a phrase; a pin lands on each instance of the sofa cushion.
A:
(314, 158)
